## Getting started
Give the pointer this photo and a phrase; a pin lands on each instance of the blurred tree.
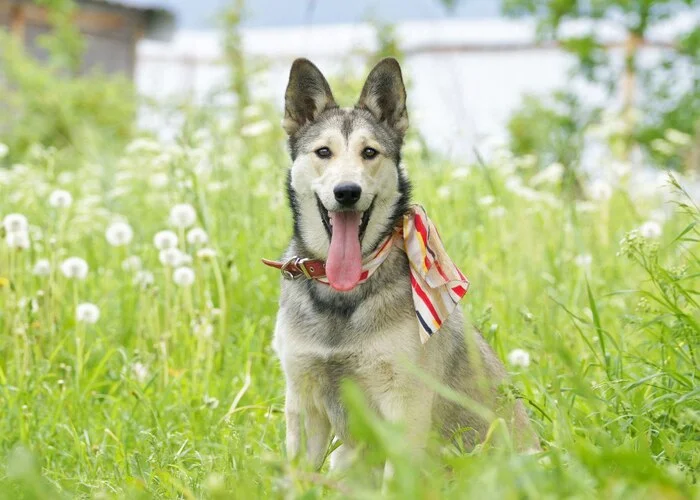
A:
(48, 103)
(234, 54)
(662, 107)
(64, 43)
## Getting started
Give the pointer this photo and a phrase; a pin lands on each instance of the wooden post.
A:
(17, 21)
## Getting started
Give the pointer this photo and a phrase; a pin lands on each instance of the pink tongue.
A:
(344, 264)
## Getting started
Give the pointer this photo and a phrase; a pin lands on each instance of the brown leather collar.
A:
(296, 267)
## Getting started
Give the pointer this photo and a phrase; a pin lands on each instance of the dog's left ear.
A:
(384, 95)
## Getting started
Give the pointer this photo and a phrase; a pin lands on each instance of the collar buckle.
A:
(294, 268)
(301, 265)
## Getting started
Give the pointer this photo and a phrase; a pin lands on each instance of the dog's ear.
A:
(308, 95)
(384, 95)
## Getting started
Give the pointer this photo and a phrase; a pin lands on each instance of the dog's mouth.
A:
(328, 224)
(345, 229)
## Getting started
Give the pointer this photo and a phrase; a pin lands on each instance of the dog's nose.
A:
(347, 193)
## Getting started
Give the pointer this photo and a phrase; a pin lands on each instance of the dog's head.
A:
(346, 186)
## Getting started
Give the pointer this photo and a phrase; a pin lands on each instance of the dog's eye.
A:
(369, 153)
(323, 152)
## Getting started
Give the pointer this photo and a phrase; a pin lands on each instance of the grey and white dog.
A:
(347, 190)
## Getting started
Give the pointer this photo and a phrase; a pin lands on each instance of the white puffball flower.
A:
(132, 263)
(183, 215)
(486, 200)
(171, 257)
(519, 358)
(42, 267)
(15, 223)
(4, 149)
(18, 240)
(60, 198)
(144, 279)
(498, 211)
(443, 192)
(87, 313)
(75, 268)
(183, 276)
(119, 234)
(600, 190)
(650, 230)
(158, 180)
(165, 239)
(206, 254)
(583, 260)
(257, 128)
(197, 236)
(140, 372)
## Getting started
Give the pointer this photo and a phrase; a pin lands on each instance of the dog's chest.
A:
(377, 364)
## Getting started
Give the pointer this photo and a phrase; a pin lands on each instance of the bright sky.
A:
(202, 14)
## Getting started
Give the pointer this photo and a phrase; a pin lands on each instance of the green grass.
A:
(612, 385)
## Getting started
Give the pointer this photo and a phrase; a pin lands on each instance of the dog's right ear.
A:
(308, 95)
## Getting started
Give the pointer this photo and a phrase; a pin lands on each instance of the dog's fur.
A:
(369, 334)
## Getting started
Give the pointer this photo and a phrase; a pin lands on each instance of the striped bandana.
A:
(438, 285)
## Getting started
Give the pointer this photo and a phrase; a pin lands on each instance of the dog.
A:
(348, 192)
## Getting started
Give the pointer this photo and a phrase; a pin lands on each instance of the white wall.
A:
(467, 76)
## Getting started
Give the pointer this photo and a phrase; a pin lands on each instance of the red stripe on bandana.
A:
(421, 293)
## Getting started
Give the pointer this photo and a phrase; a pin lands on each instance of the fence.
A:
(466, 77)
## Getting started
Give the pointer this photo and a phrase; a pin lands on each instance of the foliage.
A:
(50, 104)
(64, 43)
(652, 101)
(175, 391)
(552, 131)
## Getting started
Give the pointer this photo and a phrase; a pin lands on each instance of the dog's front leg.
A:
(292, 413)
(414, 410)
(316, 430)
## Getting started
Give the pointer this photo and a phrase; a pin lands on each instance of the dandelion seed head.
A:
(183, 276)
(519, 358)
(550, 175)
(158, 180)
(132, 263)
(139, 371)
(202, 328)
(486, 200)
(256, 129)
(197, 236)
(15, 223)
(443, 192)
(144, 278)
(18, 240)
(210, 402)
(164, 240)
(203, 168)
(87, 313)
(600, 190)
(119, 234)
(42, 267)
(650, 230)
(460, 173)
(498, 212)
(583, 260)
(183, 215)
(60, 199)
(4, 150)
(75, 268)
(171, 257)
(206, 254)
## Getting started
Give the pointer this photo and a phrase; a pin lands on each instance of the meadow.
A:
(136, 322)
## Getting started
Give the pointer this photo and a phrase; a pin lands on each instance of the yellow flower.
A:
(4, 282)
